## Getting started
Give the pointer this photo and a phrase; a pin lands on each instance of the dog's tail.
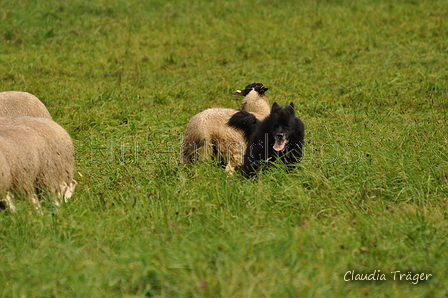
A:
(244, 121)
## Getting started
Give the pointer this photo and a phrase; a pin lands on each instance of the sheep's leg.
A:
(184, 153)
(224, 157)
(69, 190)
(230, 169)
(35, 202)
(189, 152)
(57, 199)
(235, 156)
(65, 193)
(60, 195)
(206, 152)
(9, 203)
(196, 151)
(220, 157)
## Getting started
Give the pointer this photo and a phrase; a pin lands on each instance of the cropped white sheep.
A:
(208, 135)
(36, 156)
(18, 103)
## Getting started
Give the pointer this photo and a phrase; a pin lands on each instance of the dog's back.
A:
(245, 122)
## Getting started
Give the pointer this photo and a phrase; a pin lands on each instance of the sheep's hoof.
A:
(230, 169)
(9, 203)
(36, 204)
(69, 190)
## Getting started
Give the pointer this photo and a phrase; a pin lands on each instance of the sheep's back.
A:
(208, 123)
(209, 129)
(18, 103)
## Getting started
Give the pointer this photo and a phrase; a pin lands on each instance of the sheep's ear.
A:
(275, 107)
(239, 92)
(261, 89)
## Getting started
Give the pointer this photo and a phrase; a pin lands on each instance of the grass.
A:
(370, 82)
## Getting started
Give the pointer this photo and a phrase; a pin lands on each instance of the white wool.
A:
(208, 135)
(36, 155)
(18, 103)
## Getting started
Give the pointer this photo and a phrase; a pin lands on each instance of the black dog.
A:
(278, 137)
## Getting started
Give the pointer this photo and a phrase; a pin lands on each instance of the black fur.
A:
(281, 124)
(244, 121)
(259, 87)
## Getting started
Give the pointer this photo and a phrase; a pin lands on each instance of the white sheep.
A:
(18, 103)
(5, 176)
(207, 134)
(20, 162)
(36, 156)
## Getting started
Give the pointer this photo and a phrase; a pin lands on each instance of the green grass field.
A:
(369, 80)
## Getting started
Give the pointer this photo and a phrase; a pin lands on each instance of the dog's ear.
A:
(275, 107)
(290, 107)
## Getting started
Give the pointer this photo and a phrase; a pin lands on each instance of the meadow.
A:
(368, 78)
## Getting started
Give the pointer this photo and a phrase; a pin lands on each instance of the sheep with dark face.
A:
(36, 156)
(208, 135)
(18, 103)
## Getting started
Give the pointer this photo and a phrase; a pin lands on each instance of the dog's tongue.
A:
(279, 145)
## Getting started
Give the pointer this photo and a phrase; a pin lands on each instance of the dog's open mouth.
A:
(279, 145)
(280, 141)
